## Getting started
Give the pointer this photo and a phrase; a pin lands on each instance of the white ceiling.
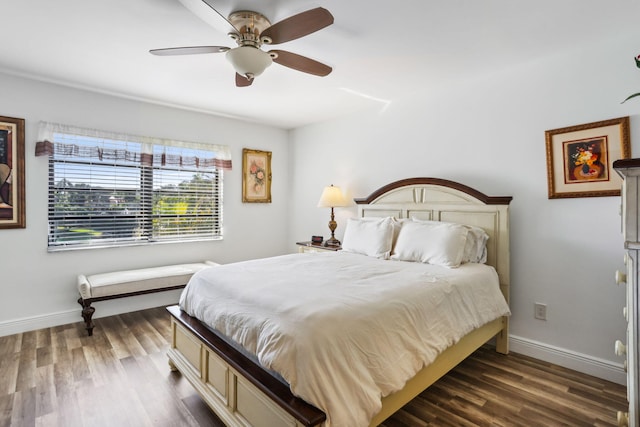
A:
(380, 51)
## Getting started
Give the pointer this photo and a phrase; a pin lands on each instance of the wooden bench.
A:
(128, 283)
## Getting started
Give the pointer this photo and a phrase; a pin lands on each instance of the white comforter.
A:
(344, 329)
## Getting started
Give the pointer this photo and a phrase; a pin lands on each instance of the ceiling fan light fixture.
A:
(251, 30)
(248, 60)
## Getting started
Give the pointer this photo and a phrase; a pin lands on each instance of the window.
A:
(114, 190)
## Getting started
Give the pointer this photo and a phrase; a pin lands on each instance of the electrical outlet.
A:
(540, 311)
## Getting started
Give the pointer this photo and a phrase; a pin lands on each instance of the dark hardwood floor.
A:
(120, 377)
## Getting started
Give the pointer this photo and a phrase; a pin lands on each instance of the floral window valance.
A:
(74, 142)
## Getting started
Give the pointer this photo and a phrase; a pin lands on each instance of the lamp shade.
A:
(332, 197)
(248, 60)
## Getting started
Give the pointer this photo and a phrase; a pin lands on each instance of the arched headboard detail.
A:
(439, 184)
(442, 200)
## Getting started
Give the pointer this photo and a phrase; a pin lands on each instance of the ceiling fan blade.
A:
(301, 63)
(242, 81)
(191, 50)
(209, 3)
(297, 26)
(202, 9)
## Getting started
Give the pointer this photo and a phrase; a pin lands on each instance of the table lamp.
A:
(332, 197)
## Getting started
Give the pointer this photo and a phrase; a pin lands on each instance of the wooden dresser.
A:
(628, 347)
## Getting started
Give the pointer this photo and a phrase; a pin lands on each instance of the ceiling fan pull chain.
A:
(251, 30)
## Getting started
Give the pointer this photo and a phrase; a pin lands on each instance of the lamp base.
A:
(332, 242)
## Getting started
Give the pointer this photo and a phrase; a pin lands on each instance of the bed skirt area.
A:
(236, 388)
(243, 394)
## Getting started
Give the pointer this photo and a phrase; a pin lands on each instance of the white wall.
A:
(38, 288)
(489, 134)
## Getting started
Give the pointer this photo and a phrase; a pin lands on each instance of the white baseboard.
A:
(590, 365)
(25, 324)
(103, 309)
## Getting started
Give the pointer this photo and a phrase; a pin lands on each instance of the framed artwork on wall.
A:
(256, 176)
(12, 193)
(580, 158)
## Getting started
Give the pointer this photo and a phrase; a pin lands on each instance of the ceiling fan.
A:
(250, 30)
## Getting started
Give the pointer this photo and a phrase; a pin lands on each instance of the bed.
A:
(242, 392)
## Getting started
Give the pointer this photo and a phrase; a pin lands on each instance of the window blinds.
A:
(110, 189)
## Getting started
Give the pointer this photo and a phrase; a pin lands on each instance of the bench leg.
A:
(87, 314)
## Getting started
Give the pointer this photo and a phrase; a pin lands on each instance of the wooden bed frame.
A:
(243, 394)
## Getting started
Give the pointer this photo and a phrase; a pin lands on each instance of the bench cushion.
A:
(144, 279)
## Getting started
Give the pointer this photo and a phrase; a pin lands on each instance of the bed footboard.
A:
(235, 388)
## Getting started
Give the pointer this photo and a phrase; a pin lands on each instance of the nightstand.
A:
(312, 247)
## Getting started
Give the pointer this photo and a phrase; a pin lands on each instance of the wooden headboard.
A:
(442, 200)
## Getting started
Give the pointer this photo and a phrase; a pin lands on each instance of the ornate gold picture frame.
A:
(580, 158)
(256, 176)
(12, 193)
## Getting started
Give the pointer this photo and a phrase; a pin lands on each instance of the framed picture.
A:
(580, 158)
(256, 176)
(12, 195)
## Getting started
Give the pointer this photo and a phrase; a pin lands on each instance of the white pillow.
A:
(475, 248)
(368, 236)
(431, 242)
(397, 225)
